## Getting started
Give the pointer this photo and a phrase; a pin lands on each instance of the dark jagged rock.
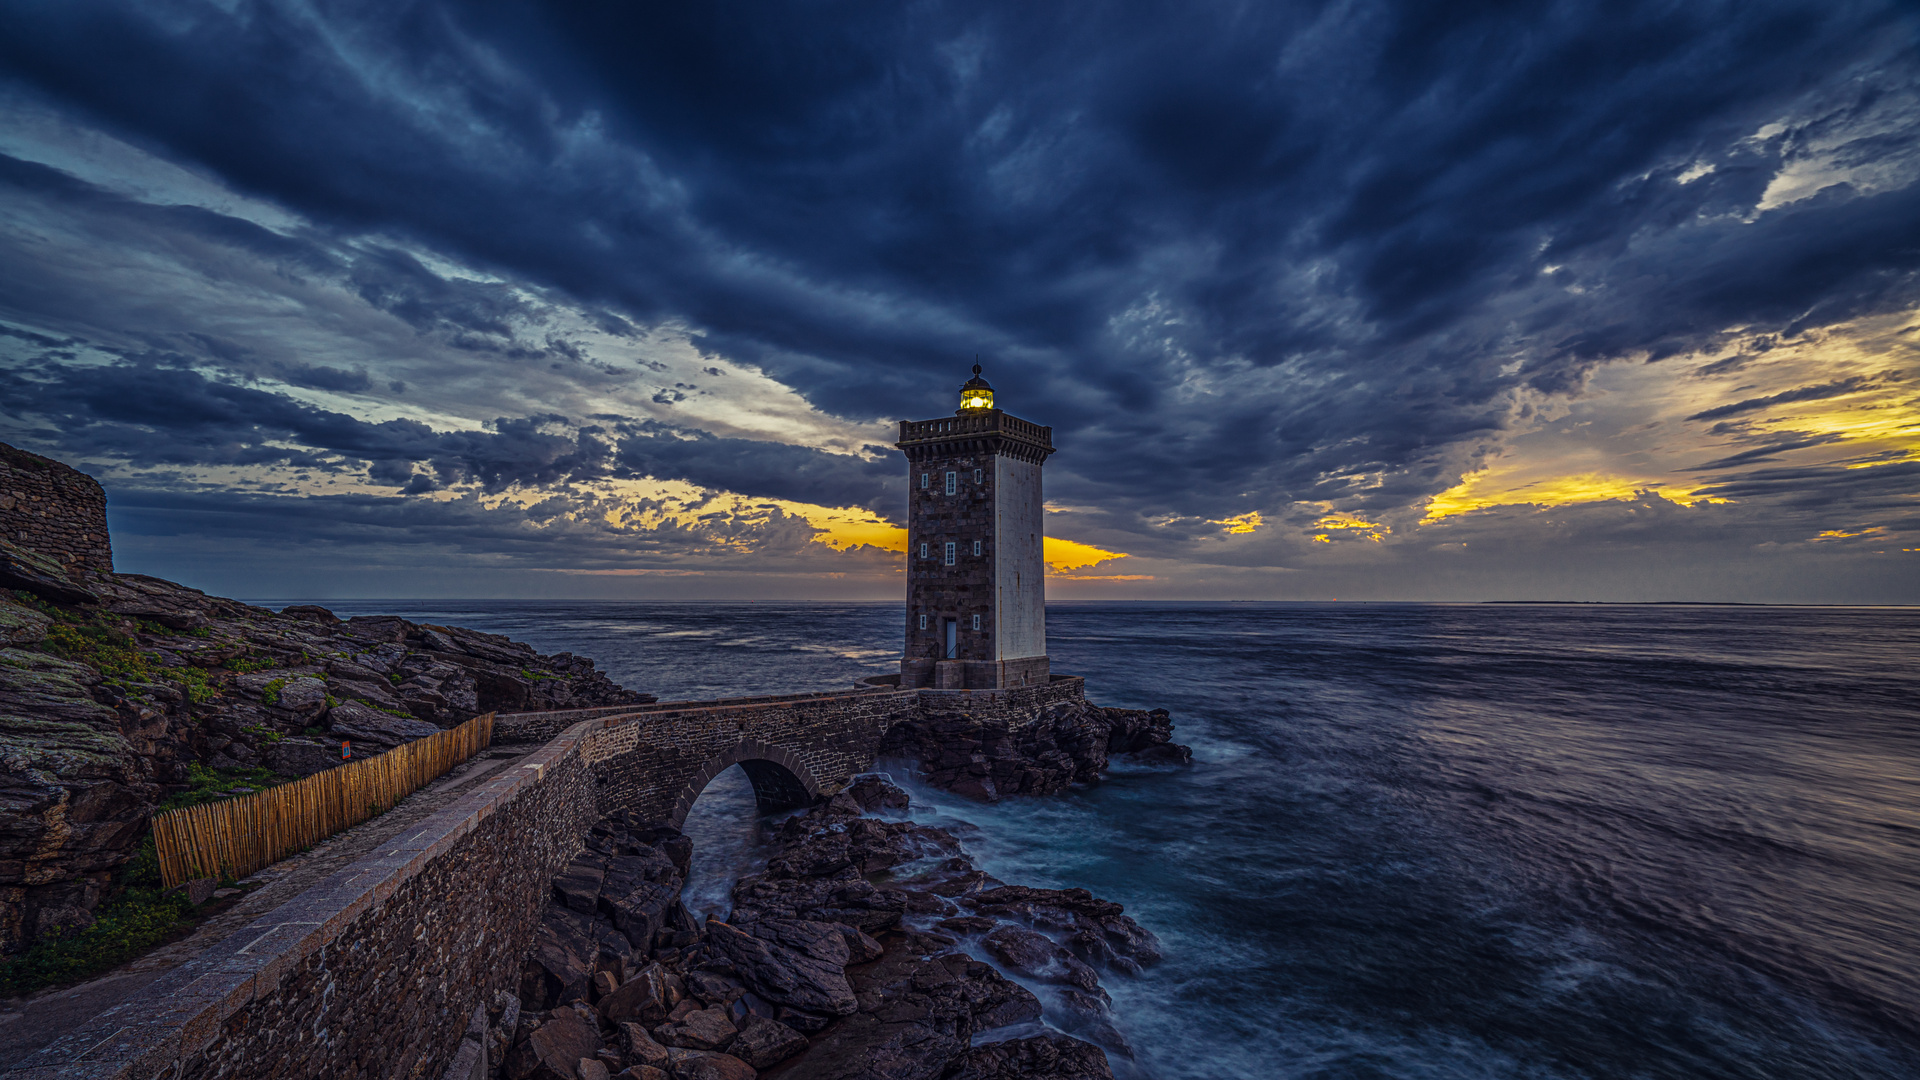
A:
(368, 728)
(1069, 743)
(553, 1050)
(1042, 1057)
(708, 1065)
(1099, 930)
(1037, 956)
(811, 981)
(919, 1006)
(701, 1029)
(794, 980)
(764, 1042)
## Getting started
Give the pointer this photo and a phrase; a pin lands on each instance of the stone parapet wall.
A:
(647, 762)
(1017, 706)
(55, 510)
(375, 971)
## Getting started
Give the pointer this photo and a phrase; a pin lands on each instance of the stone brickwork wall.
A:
(374, 972)
(654, 763)
(964, 590)
(55, 510)
(973, 489)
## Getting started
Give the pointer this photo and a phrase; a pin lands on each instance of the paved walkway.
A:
(27, 1025)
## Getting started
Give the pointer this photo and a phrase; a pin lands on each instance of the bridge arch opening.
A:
(781, 781)
(724, 809)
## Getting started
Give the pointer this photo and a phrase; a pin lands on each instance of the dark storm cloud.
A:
(1236, 255)
(1804, 393)
(154, 409)
(150, 411)
(755, 468)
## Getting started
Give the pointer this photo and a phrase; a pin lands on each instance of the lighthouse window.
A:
(953, 483)
(923, 620)
(923, 549)
(976, 476)
(923, 481)
(976, 622)
(950, 551)
(976, 551)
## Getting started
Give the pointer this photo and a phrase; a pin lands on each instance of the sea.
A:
(1423, 841)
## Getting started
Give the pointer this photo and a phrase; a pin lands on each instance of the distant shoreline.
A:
(276, 603)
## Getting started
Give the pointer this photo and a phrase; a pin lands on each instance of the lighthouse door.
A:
(953, 638)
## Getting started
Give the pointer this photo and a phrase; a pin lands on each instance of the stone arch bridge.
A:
(654, 760)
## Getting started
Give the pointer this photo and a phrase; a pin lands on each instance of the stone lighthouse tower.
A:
(976, 588)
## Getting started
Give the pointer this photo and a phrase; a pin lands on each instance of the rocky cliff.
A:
(118, 691)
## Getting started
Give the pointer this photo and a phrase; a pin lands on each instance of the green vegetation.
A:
(394, 678)
(247, 666)
(211, 785)
(267, 733)
(137, 917)
(525, 674)
(270, 695)
(195, 681)
(96, 641)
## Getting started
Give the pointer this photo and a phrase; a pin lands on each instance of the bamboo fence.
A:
(236, 837)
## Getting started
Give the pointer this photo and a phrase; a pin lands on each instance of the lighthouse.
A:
(976, 578)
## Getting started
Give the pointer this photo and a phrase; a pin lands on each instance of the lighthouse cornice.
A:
(990, 431)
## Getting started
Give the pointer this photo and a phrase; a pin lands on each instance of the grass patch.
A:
(271, 694)
(247, 666)
(136, 918)
(206, 785)
(95, 641)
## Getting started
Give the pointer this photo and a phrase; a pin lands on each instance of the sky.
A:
(1566, 300)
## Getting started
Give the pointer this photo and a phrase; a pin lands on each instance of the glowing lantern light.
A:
(975, 393)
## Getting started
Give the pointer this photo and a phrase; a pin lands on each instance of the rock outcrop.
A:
(818, 971)
(119, 690)
(1069, 743)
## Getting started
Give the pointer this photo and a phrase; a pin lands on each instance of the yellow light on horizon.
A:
(1067, 555)
(1480, 491)
(1240, 523)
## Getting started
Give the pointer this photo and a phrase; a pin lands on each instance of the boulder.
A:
(701, 1029)
(1039, 957)
(706, 1065)
(302, 757)
(813, 980)
(1042, 1057)
(763, 1043)
(642, 1072)
(305, 696)
(369, 727)
(639, 1046)
(592, 1069)
(560, 964)
(578, 886)
(873, 794)
(554, 1050)
(645, 997)
(1099, 931)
